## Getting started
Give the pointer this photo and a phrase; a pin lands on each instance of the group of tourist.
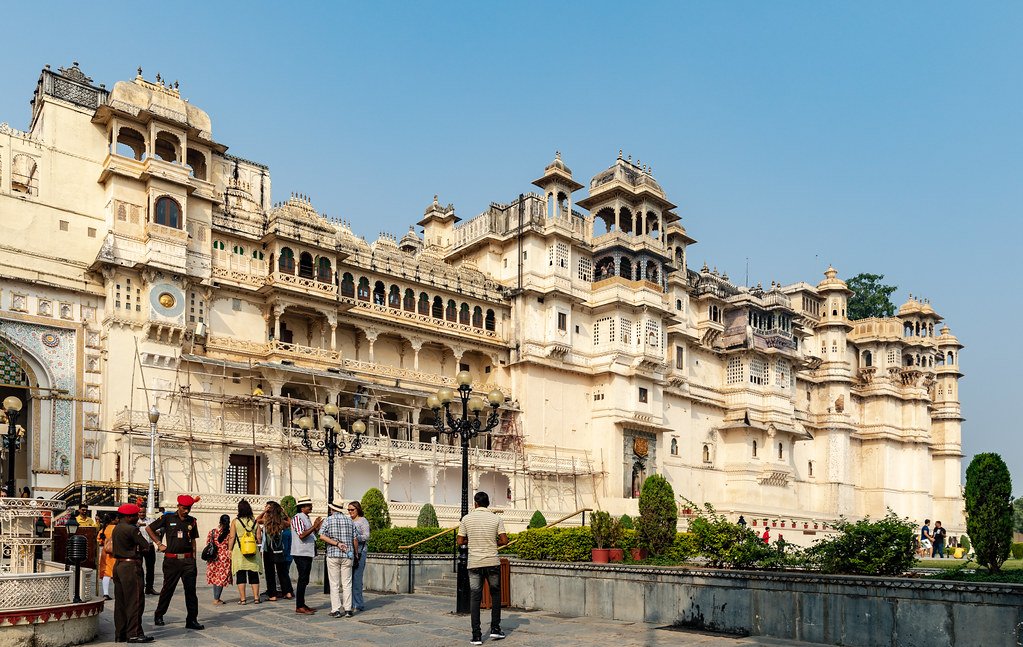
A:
(238, 550)
(932, 543)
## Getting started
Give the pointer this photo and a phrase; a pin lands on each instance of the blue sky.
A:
(878, 137)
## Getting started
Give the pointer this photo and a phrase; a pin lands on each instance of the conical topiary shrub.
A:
(374, 506)
(537, 520)
(427, 517)
(626, 522)
(658, 515)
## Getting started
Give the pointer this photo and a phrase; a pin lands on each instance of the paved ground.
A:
(417, 620)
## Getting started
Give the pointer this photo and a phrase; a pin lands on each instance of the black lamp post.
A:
(466, 428)
(333, 443)
(12, 440)
(77, 551)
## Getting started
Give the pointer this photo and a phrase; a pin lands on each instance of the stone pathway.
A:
(415, 620)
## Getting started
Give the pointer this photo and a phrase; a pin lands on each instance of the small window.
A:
(64, 225)
(236, 378)
(643, 394)
(781, 451)
(577, 330)
(562, 321)
(674, 446)
(809, 469)
(236, 305)
(680, 357)
(463, 367)
(754, 449)
(168, 213)
(706, 453)
(91, 232)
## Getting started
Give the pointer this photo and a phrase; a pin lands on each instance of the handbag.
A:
(209, 554)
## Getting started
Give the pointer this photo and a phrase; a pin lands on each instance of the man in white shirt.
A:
(484, 532)
(303, 550)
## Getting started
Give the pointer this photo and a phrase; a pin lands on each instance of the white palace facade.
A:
(144, 265)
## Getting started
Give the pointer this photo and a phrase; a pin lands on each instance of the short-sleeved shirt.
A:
(924, 531)
(302, 547)
(481, 528)
(86, 522)
(939, 536)
(127, 542)
(339, 527)
(178, 533)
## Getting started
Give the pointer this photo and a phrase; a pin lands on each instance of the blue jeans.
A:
(493, 577)
(357, 602)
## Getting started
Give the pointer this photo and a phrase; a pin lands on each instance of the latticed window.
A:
(758, 371)
(561, 255)
(586, 269)
(735, 372)
(242, 474)
(653, 334)
(196, 308)
(782, 373)
(626, 330)
(599, 328)
(893, 357)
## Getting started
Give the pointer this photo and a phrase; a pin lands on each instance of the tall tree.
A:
(1017, 514)
(989, 513)
(872, 298)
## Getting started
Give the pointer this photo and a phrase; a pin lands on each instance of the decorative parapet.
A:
(398, 314)
(54, 588)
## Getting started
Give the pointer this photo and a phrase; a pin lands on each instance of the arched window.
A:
(238, 249)
(952, 359)
(131, 144)
(438, 308)
(256, 254)
(197, 161)
(626, 269)
(347, 285)
(754, 449)
(394, 297)
(305, 265)
(410, 300)
(424, 303)
(363, 289)
(674, 446)
(868, 358)
(168, 212)
(323, 270)
(477, 317)
(809, 468)
(167, 146)
(286, 263)
(379, 294)
(452, 310)
(463, 314)
(218, 244)
(781, 451)
(678, 304)
(489, 323)
(706, 453)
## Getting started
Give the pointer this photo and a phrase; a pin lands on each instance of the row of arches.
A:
(917, 329)
(132, 144)
(319, 269)
(393, 297)
(639, 223)
(627, 269)
(914, 359)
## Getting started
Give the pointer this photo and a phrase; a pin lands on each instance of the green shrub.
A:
(556, 544)
(726, 544)
(288, 503)
(883, 547)
(387, 540)
(683, 548)
(989, 514)
(626, 522)
(1017, 551)
(427, 517)
(600, 526)
(964, 541)
(629, 539)
(374, 506)
(658, 515)
(537, 521)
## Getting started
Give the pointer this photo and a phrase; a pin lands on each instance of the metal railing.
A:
(410, 547)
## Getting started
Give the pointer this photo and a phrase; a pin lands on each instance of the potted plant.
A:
(774, 523)
(600, 526)
(616, 533)
(754, 522)
(806, 524)
(782, 523)
(815, 525)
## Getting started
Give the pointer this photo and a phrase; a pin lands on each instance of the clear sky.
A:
(878, 137)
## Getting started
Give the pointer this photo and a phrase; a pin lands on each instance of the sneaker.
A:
(476, 640)
(335, 614)
(349, 614)
(497, 634)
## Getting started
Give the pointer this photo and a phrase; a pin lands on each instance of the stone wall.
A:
(827, 609)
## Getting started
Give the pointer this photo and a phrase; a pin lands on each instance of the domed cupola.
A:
(411, 243)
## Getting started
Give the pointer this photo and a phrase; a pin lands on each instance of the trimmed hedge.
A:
(556, 544)
(1017, 551)
(387, 540)
(375, 508)
(427, 517)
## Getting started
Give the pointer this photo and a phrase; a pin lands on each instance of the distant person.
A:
(180, 530)
(245, 566)
(129, 597)
(766, 536)
(362, 533)
(939, 541)
(25, 494)
(925, 539)
(105, 561)
(84, 517)
(484, 532)
(275, 522)
(303, 549)
(339, 533)
(218, 572)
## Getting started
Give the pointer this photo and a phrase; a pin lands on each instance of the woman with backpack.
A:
(246, 564)
(218, 569)
(275, 553)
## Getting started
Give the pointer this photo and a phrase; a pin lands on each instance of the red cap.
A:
(186, 500)
(129, 509)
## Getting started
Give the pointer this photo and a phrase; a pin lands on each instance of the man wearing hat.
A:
(303, 549)
(180, 530)
(338, 533)
(129, 598)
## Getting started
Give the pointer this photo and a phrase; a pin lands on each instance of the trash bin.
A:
(505, 587)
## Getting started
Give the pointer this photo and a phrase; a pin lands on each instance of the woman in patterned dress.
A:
(218, 572)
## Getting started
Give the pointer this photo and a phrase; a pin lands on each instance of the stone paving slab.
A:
(415, 620)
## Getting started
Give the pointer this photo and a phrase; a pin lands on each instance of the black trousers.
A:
(129, 600)
(174, 570)
(149, 562)
(305, 566)
(492, 574)
(278, 581)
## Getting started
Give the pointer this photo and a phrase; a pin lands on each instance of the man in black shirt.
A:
(129, 599)
(939, 540)
(180, 530)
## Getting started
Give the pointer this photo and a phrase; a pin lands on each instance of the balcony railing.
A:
(320, 288)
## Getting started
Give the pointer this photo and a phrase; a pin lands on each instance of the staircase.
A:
(445, 585)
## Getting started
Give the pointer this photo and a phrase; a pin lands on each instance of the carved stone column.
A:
(416, 344)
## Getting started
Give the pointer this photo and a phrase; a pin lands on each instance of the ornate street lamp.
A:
(12, 439)
(466, 428)
(154, 417)
(333, 443)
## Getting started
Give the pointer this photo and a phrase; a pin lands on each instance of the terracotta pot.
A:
(638, 554)
(617, 554)
(754, 522)
(806, 525)
(774, 524)
(782, 524)
(600, 555)
(815, 526)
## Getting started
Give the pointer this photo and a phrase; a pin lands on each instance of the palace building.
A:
(144, 265)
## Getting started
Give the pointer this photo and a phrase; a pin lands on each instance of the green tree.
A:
(374, 506)
(871, 298)
(1017, 514)
(658, 515)
(537, 521)
(427, 517)
(288, 503)
(626, 522)
(989, 509)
